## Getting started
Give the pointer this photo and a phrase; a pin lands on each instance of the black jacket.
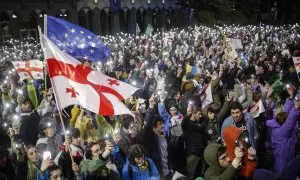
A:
(29, 127)
(195, 136)
(151, 141)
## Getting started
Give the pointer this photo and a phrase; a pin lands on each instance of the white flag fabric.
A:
(230, 53)
(236, 43)
(206, 96)
(297, 64)
(75, 83)
(256, 108)
(29, 69)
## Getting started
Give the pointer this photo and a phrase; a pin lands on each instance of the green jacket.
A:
(89, 167)
(96, 168)
(215, 171)
(105, 128)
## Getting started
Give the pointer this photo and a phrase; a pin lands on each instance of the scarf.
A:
(143, 166)
(32, 170)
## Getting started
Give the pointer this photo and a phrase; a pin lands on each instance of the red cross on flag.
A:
(29, 69)
(297, 63)
(75, 83)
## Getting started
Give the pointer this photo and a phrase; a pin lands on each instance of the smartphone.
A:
(110, 139)
(46, 155)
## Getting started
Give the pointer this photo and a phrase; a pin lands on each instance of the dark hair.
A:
(207, 79)
(281, 117)
(29, 146)
(100, 142)
(53, 168)
(221, 151)
(211, 109)
(43, 125)
(135, 150)
(236, 105)
(156, 120)
(196, 109)
(74, 132)
(127, 121)
(170, 105)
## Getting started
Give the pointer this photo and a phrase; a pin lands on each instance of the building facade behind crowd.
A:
(213, 103)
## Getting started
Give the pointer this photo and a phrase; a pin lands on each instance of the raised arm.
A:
(288, 127)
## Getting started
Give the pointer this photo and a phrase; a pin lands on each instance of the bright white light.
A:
(14, 16)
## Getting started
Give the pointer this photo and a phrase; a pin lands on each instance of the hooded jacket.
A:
(215, 171)
(136, 174)
(284, 137)
(231, 134)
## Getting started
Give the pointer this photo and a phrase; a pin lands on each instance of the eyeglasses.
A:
(173, 109)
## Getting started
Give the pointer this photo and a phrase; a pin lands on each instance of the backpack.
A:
(130, 171)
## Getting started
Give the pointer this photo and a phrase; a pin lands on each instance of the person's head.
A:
(169, 63)
(281, 117)
(55, 173)
(132, 62)
(290, 88)
(260, 69)
(173, 109)
(47, 127)
(74, 134)
(223, 158)
(20, 98)
(236, 111)
(207, 79)
(243, 141)
(89, 121)
(158, 125)
(211, 113)
(129, 127)
(196, 114)
(177, 96)
(32, 154)
(26, 106)
(136, 154)
(95, 149)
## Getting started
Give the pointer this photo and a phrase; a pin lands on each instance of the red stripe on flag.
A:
(79, 74)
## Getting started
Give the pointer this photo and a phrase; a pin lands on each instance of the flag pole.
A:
(57, 100)
(45, 33)
(61, 120)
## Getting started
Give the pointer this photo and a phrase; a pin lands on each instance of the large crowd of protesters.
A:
(214, 103)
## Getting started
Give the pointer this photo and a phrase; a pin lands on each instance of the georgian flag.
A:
(29, 69)
(206, 96)
(256, 109)
(75, 83)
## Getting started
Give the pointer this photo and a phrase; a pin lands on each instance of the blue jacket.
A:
(284, 137)
(137, 174)
(46, 176)
(175, 130)
(250, 124)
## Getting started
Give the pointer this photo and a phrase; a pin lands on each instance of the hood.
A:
(272, 124)
(210, 155)
(231, 134)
